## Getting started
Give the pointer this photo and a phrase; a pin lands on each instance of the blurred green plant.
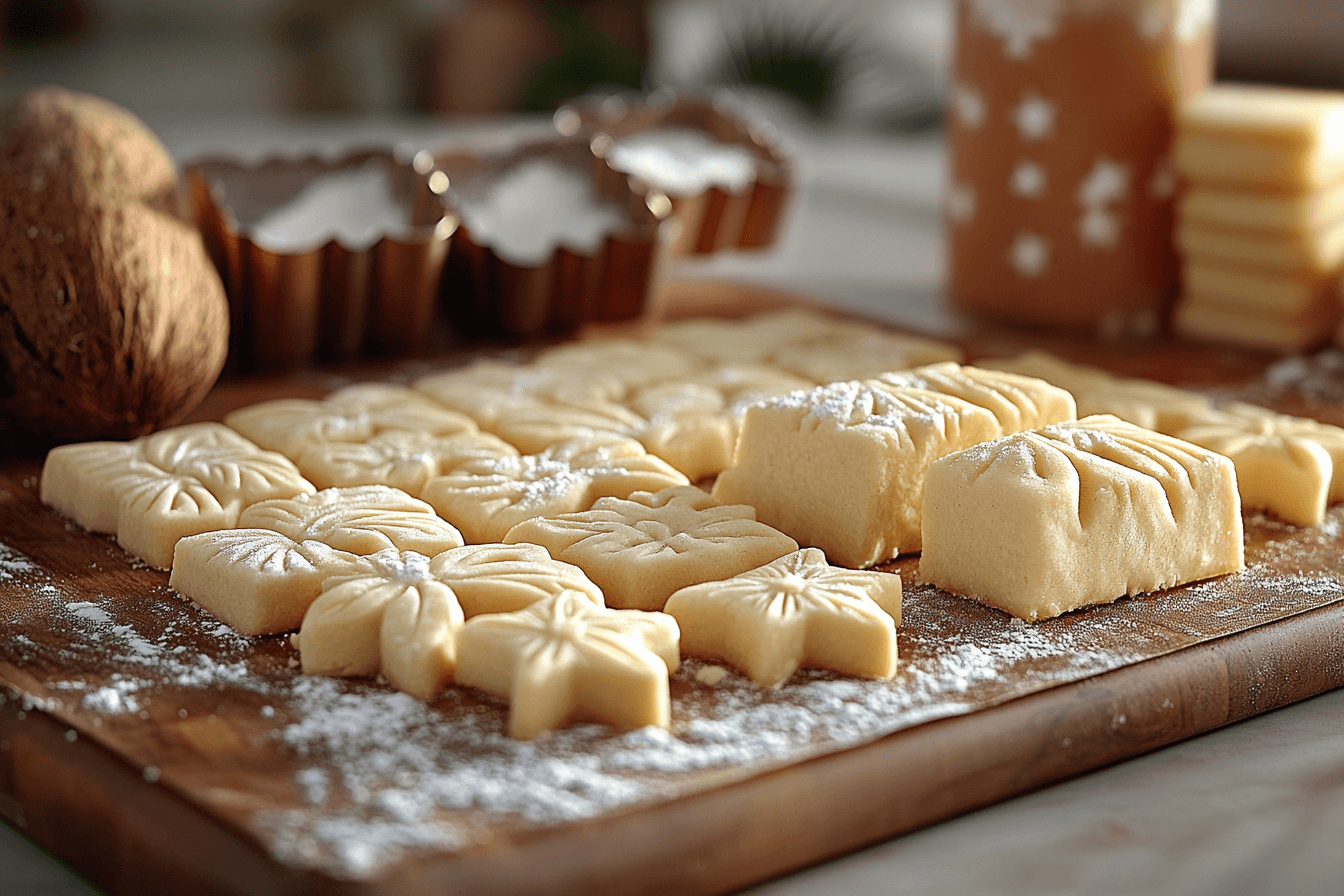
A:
(588, 59)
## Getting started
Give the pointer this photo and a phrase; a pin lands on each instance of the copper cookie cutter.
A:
(334, 299)
(485, 293)
(745, 219)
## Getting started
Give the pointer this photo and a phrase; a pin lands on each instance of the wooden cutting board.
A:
(160, 753)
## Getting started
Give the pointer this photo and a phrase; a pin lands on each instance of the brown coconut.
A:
(113, 320)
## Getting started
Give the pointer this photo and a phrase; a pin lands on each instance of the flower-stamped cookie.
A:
(399, 612)
(485, 499)
(642, 549)
(404, 460)
(795, 612)
(157, 489)
(261, 577)
(352, 414)
(565, 658)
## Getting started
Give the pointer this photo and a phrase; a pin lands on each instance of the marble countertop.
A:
(1254, 808)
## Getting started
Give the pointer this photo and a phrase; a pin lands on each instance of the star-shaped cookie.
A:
(1285, 464)
(796, 612)
(642, 549)
(565, 658)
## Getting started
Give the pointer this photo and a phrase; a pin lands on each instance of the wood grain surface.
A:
(176, 791)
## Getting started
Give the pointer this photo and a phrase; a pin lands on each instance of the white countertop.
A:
(1254, 808)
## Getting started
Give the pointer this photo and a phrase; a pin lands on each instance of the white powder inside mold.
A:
(356, 208)
(684, 161)
(536, 208)
(378, 774)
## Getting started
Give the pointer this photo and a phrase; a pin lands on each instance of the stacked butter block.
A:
(1261, 224)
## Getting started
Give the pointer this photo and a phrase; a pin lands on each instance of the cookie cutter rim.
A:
(569, 289)
(328, 303)
(716, 218)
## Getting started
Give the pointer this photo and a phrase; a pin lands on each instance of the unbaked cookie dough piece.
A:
(399, 612)
(1018, 402)
(795, 612)
(1043, 522)
(487, 498)
(841, 467)
(641, 549)
(261, 577)
(1145, 403)
(1289, 466)
(565, 659)
(400, 459)
(532, 427)
(1209, 318)
(858, 352)
(159, 488)
(353, 414)
(1284, 138)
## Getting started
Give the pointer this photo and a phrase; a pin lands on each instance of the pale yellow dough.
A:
(795, 612)
(1043, 522)
(642, 549)
(399, 612)
(404, 460)
(1289, 466)
(155, 490)
(261, 577)
(565, 658)
(486, 498)
(352, 414)
(1285, 138)
(842, 467)
(1145, 403)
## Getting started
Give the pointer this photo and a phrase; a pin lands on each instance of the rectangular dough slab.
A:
(1257, 135)
(1315, 253)
(1207, 318)
(1259, 289)
(1043, 522)
(842, 467)
(1263, 209)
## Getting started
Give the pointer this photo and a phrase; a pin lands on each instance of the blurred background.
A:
(855, 88)
(867, 64)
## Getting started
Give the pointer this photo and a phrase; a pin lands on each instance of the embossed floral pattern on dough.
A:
(404, 460)
(485, 499)
(362, 520)
(352, 414)
(1292, 467)
(244, 575)
(642, 549)
(159, 488)
(399, 612)
(565, 659)
(796, 612)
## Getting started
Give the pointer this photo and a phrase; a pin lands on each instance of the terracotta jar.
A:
(1061, 188)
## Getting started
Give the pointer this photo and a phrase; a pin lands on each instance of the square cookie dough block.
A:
(841, 467)
(1044, 522)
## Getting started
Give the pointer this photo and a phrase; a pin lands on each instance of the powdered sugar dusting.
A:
(358, 776)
